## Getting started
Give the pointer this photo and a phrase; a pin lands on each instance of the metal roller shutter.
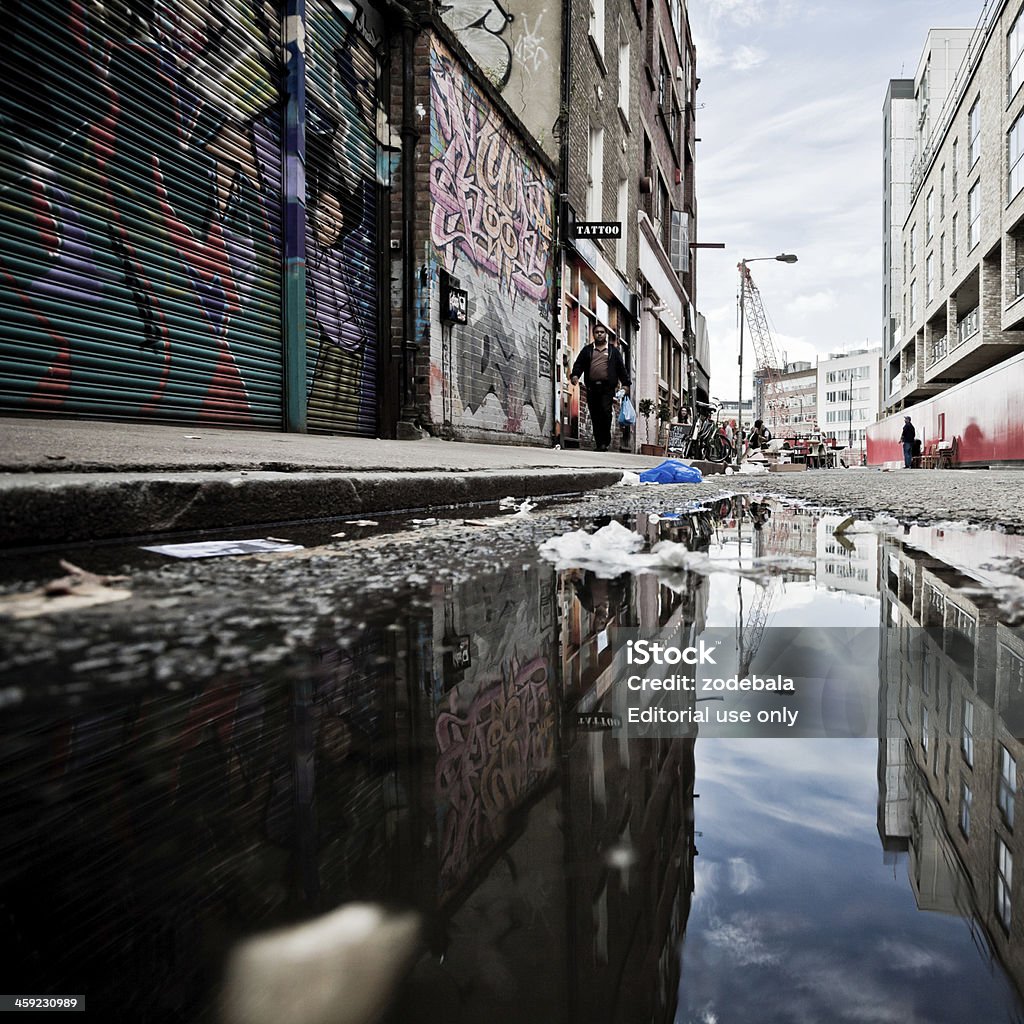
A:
(342, 209)
(140, 224)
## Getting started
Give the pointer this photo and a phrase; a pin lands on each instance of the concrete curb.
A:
(64, 508)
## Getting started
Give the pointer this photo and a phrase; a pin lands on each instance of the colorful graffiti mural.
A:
(490, 203)
(492, 226)
(342, 207)
(140, 169)
(141, 227)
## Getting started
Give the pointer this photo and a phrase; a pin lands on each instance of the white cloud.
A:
(743, 876)
(817, 302)
(745, 58)
(740, 937)
(785, 165)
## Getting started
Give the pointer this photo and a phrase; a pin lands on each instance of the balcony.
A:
(967, 328)
(937, 351)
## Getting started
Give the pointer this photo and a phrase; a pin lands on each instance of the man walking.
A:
(907, 437)
(602, 370)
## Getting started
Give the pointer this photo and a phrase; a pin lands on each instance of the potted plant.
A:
(664, 418)
(645, 407)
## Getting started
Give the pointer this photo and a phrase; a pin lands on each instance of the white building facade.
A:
(849, 395)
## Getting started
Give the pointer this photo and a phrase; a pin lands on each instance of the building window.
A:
(929, 215)
(624, 76)
(913, 302)
(924, 730)
(1007, 786)
(974, 134)
(595, 174)
(929, 277)
(1014, 47)
(1014, 152)
(597, 24)
(974, 216)
(953, 161)
(1004, 882)
(942, 261)
(942, 192)
(966, 796)
(952, 244)
(967, 738)
(913, 246)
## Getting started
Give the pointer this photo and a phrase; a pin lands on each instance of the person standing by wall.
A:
(602, 370)
(907, 439)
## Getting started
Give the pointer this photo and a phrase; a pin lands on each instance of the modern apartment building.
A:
(912, 112)
(958, 341)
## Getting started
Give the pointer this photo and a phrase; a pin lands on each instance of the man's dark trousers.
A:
(599, 402)
(908, 454)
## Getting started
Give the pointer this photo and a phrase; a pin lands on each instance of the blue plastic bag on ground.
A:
(671, 471)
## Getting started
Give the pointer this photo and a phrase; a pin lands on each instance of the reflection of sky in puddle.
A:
(805, 922)
(797, 916)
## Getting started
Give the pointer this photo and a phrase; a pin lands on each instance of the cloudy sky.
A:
(789, 117)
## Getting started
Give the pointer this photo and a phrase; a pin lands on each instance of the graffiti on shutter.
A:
(139, 236)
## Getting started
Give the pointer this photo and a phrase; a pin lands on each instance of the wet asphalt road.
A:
(186, 620)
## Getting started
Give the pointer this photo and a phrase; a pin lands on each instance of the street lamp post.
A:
(785, 257)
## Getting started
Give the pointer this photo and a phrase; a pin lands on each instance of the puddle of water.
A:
(442, 760)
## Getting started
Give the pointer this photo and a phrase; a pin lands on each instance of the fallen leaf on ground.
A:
(78, 589)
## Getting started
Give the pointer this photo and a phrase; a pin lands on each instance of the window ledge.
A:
(598, 53)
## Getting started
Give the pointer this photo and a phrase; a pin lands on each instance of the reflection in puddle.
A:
(455, 760)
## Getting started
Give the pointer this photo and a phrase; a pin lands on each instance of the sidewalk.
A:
(79, 480)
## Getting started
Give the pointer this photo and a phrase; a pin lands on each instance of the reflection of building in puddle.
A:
(952, 697)
(433, 760)
(846, 562)
(628, 803)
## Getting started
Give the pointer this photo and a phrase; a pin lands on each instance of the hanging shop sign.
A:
(596, 229)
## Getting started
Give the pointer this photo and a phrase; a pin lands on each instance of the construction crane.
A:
(766, 361)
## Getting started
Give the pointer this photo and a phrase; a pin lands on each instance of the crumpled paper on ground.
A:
(614, 549)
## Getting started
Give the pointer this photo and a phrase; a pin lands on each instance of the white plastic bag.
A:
(627, 414)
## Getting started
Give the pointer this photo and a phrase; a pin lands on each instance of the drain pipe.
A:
(561, 246)
(407, 424)
(294, 297)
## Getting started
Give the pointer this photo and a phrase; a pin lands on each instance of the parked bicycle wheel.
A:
(718, 449)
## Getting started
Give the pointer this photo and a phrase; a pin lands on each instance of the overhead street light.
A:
(783, 257)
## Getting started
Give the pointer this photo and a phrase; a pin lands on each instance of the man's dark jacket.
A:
(909, 433)
(616, 367)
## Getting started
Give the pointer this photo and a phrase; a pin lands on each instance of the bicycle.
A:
(706, 441)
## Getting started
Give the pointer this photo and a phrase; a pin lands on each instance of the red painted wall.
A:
(985, 414)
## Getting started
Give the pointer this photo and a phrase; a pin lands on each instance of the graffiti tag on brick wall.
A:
(480, 24)
(490, 204)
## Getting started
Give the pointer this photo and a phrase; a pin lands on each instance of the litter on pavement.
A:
(218, 548)
(672, 471)
(614, 549)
